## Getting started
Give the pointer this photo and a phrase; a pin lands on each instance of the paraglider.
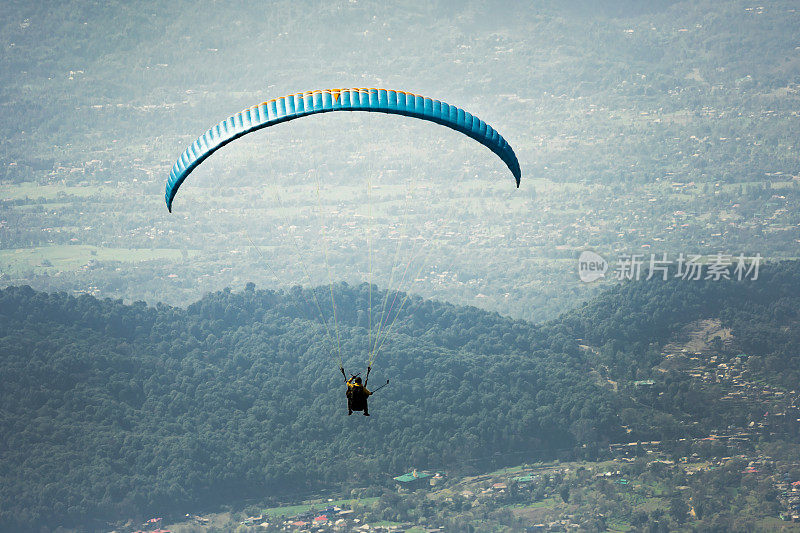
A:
(357, 392)
(299, 105)
(302, 104)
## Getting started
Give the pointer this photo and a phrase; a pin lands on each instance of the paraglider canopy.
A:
(298, 105)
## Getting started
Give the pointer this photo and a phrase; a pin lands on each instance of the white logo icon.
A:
(591, 266)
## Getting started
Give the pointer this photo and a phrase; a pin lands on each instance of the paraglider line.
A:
(328, 266)
(403, 303)
(394, 300)
(391, 276)
(369, 236)
(400, 310)
(281, 281)
(310, 282)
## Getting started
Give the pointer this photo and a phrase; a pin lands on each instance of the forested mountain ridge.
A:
(113, 410)
(133, 408)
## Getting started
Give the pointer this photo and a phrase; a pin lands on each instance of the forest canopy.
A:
(113, 409)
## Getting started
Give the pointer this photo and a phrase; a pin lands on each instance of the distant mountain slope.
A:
(706, 355)
(762, 315)
(113, 410)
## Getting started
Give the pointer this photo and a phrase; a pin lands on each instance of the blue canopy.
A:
(302, 104)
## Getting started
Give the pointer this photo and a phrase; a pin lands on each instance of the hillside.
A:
(132, 407)
(113, 410)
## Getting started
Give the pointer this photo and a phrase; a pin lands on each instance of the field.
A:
(52, 259)
(292, 510)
